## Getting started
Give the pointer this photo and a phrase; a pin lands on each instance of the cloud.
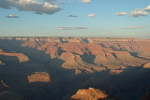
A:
(137, 9)
(72, 16)
(71, 28)
(70, 0)
(147, 8)
(132, 27)
(121, 13)
(31, 5)
(12, 16)
(85, 1)
(91, 15)
(137, 13)
(62, 2)
(40, 25)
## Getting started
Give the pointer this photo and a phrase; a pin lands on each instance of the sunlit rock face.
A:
(147, 65)
(90, 94)
(39, 77)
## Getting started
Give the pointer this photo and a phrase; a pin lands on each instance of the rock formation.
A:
(39, 77)
(90, 94)
(147, 65)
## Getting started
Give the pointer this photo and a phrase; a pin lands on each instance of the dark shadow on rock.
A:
(60, 51)
(32, 53)
(85, 40)
(135, 54)
(102, 45)
(9, 60)
(89, 58)
(61, 40)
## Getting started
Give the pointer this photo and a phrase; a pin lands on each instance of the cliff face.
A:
(35, 67)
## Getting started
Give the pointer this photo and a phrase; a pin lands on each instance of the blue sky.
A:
(96, 18)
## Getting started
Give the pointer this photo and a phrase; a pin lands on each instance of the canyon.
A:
(62, 68)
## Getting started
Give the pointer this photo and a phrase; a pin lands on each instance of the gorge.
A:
(58, 68)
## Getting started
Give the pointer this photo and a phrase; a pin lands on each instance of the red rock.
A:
(88, 94)
(1, 51)
(20, 56)
(39, 77)
(147, 65)
(115, 72)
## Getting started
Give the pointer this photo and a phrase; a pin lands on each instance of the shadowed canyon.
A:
(74, 68)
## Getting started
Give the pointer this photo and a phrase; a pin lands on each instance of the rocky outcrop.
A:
(1, 63)
(39, 77)
(1, 51)
(21, 57)
(147, 65)
(73, 61)
(90, 94)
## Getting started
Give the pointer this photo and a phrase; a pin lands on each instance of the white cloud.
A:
(147, 8)
(91, 15)
(71, 28)
(132, 27)
(31, 5)
(121, 13)
(137, 13)
(85, 1)
(12, 16)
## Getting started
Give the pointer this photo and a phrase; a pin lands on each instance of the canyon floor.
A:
(74, 68)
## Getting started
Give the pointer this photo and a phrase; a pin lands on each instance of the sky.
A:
(85, 18)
